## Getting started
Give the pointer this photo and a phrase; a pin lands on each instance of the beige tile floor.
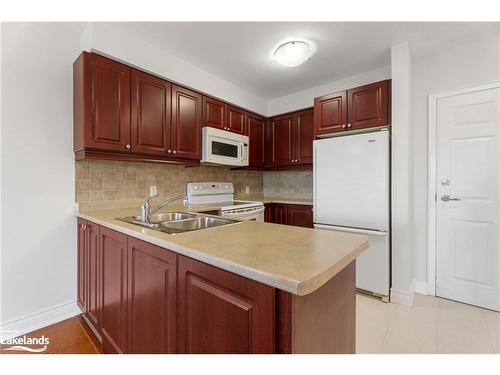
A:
(432, 325)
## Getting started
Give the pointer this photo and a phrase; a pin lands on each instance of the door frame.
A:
(432, 178)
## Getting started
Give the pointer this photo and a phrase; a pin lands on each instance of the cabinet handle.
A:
(175, 152)
(127, 147)
(349, 126)
(343, 126)
(169, 151)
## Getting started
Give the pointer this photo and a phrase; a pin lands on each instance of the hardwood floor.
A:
(71, 336)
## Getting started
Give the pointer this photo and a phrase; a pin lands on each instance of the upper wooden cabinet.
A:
(290, 139)
(220, 115)
(256, 132)
(358, 108)
(101, 103)
(186, 123)
(150, 111)
(330, 113)
(303, 136)
(369, 105)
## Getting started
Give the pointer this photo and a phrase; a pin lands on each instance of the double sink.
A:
(179, 222)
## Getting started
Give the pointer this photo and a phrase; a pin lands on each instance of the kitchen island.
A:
(250, 287)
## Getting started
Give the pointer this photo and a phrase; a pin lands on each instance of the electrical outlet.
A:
(152, 190)
(247, 189)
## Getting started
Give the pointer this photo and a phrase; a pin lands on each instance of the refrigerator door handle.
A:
(351, 230)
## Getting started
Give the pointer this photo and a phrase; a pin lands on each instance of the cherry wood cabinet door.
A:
(280, 213)
(82, 264)
(281, 128)
(109, 101)
(369, 105)
(300, 215)
(256, 127)
(114, 291)
(220, 312)
(303, 136)
(150, 113)
(214, 113)
(93, 312)
(330, 113)
(186, 123)
(236, 118)
(269, 212)
(152, 298)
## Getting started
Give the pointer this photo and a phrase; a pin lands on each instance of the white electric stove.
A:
(221, 194)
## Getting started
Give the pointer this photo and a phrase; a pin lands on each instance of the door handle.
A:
(447, 198)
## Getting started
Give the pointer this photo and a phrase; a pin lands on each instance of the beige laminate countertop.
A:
(293, 259)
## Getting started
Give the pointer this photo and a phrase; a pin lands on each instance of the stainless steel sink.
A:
(179, 222)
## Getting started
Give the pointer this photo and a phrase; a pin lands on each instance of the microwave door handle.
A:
(241, 151)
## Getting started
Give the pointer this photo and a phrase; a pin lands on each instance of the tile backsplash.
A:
(103, 180)
(288, 184)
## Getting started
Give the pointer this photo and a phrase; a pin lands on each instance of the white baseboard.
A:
(39, 319)
(419, 286)
(402, 297)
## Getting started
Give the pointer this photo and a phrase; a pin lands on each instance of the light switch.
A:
(153, 190)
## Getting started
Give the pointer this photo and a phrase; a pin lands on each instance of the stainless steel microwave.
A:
(224, 148)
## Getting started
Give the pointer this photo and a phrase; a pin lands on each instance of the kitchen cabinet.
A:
(152, 297)
(369, 105)
(357, 108)
(220, 312)
(186, 123)
(236, 118)
(256, 127)
(114, 291)
(290, 139)
(303, 136)
(220, 115)
(150, 112)
(89, 272)
(299, 215)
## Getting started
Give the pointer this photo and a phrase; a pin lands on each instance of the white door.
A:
(467, 242)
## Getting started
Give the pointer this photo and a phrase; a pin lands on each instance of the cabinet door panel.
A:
(82, 264)
(269, 213)
(152, 298)
(303, 136)
(330, 113)
(94, 275)
(280, 213)
(281, 140)
(256, 134)
(214, 113)
(300, 215)
(236, 119)
(221, 312)
(186, 123)
(114, 291)
(110, 105)
(369, 105)
(150, 114)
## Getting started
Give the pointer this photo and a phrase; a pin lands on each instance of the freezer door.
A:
(351, 181)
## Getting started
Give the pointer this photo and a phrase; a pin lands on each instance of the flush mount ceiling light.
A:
(293, 53)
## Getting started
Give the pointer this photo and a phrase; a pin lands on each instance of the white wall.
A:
(119, 45)
(305, 98)
(38, 248)
(463, 66)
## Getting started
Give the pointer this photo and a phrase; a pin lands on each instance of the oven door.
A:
(222, 147)
(253, 213)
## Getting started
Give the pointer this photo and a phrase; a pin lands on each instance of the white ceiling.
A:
(240, 52)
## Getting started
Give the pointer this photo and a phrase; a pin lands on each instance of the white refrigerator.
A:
(352, 194)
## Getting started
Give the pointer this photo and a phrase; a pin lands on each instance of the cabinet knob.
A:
(343, 126)
(127, 147)
(349, 126)
(169, 151)
(175, 152)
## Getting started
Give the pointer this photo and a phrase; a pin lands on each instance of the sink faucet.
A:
(146, 211)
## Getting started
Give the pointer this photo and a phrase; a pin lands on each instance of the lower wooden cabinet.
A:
(152, 298)
(114, 291)
(299, 215)
(220, 312)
